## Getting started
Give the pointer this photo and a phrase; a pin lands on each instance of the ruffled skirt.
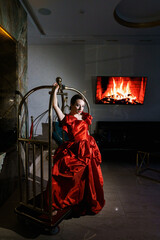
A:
(77, 178)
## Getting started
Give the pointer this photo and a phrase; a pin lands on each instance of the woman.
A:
(76, 175)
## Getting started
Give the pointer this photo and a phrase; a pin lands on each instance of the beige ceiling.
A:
(93, 21)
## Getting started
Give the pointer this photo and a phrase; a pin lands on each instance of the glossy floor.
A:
(132, 211)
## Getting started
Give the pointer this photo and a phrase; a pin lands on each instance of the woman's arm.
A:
(58, 111)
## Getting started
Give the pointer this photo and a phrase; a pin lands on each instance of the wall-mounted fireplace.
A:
(120, 90)
(8, 79)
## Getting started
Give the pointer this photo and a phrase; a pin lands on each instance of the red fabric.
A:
(76, 174)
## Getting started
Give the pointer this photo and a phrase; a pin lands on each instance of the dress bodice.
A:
(77, 130)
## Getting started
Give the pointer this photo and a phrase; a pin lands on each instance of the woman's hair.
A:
(75, 98)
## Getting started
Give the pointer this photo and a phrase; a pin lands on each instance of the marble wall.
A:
(13, 83)
(13, 65)
(13, 19)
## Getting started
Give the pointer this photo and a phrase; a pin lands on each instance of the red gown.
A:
(76, 175)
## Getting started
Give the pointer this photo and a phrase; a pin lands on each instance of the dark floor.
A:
(132, 211)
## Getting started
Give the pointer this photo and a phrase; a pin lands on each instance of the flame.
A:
(119, 92)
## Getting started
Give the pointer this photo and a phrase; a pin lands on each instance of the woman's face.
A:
(78, 106)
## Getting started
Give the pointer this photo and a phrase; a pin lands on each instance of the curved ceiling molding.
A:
(138, 14)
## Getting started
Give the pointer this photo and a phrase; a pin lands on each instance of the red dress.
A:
(76, 175)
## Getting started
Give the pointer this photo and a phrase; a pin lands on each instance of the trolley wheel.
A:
(52, 231)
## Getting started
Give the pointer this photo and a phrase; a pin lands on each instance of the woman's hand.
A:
(56, 86)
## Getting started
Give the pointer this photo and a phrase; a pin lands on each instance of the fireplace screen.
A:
(120, 90)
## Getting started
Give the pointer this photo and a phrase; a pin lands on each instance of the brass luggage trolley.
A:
(31, 184)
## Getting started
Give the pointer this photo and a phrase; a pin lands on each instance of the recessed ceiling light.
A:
(44, 11)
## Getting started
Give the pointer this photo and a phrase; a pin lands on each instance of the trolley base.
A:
(42, 220)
